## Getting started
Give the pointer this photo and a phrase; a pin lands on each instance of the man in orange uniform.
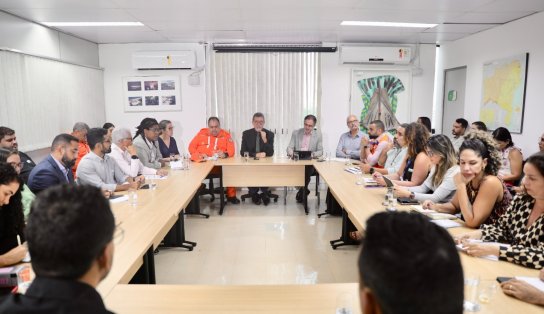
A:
(212, 141)
(80, 131)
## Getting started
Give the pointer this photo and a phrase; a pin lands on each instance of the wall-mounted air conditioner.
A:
(164, 60)
(375, 55)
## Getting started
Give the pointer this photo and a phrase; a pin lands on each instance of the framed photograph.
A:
(152, 93)
(503, 93)
(381, 95)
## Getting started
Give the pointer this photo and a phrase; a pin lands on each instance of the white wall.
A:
(32, 38)
(116, 61)
(335, 86)
(517, 37)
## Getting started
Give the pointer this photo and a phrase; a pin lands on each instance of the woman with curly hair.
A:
(521, 226)
(12, 221)
(417, 164)
(481, 196)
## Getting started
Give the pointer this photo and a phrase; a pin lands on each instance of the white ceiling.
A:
(274, 21)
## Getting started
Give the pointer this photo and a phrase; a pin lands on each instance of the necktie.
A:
(258, 142)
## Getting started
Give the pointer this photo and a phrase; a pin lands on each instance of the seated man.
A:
(458, 131)
(258, 142)
(349, 145)
(409, 265)
(8, 140)
(306, 139)
(57, 167)
(125, 155)
(80, 131)
(100, 170)
(212, 141)
(70, 238)
(377, 141)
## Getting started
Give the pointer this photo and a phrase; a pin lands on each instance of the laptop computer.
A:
(304, 154)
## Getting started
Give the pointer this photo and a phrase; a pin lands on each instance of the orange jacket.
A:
(84, 149)
(205, 144)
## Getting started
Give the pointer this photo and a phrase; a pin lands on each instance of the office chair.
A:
(270, 195)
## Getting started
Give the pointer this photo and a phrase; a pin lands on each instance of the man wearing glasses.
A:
(306, 139)
(100, 170)
(349, 145)
(258, 142)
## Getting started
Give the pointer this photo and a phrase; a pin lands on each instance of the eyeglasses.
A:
(309, 125)
(17, 164)
(258, 121)
(154, 130)
(352, 121)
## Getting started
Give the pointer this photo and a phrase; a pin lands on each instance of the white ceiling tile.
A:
(440, 37)
(476, 17)
(55, 4)
(512, 5)
(460, 28)
(177, 4)
(75, 15)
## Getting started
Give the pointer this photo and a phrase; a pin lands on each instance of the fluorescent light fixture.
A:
(387, 24)
(78, 24)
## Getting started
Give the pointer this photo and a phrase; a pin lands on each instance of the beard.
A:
(106, 151)
(373, 137)
(68, 163)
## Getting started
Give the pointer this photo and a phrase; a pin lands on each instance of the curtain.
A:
(285, 87)
(41, 98)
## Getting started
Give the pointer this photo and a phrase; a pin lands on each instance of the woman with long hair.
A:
(521, 226)
(392, 156)
(511, 157)
(12, 158)
(481, 196)
(12, 222)
(416, 164)
(439, 185)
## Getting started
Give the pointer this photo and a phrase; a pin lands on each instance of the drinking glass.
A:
(246, 156)
(295, 156)
(132, 197)
(472, 283)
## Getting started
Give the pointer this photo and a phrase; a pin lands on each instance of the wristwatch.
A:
(134, 156)
(412, 195)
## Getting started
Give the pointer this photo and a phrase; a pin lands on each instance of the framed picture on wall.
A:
(151, 93)
(384, 95)
(503, 93)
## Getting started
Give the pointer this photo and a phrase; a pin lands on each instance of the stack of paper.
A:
(434, 215)
(154, 177)
(176, 165)
(533, 281)
(354, 170)
(119, 199)
(446, 223)
(370, 182)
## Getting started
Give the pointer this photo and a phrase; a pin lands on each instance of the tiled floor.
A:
(250, 244)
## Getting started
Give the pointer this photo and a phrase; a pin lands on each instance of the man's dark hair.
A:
(379, 124)
(96, 136)
(311, 117)
(108, 125)
(214, 119)
(63, 139)
(68, 228)
(408, 262)
(257, 115)
(480, 125)
(462, 122)
(4, 131)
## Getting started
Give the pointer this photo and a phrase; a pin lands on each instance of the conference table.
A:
(264, 172)
(159, 210)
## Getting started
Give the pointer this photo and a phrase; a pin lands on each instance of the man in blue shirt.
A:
(349, 144)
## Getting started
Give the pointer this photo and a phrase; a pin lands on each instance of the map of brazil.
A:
(503, 93)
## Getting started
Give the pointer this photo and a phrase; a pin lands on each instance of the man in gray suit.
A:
(306, 139)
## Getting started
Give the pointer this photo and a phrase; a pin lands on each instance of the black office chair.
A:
(210, 189)
(270, 195)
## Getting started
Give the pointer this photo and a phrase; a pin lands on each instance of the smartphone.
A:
(503, 279)
(388, 182)
(144, 187)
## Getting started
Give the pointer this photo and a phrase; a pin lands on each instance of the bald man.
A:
(349, 144)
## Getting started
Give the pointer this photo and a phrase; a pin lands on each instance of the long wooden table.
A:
(146, 224)
(264, 172)
(295, 299)
(360, 203)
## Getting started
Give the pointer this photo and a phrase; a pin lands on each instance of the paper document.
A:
(119, 199)
(354, 170)
(533, 281)
(446, 223)
(155, 177)
(460, 247)
(176, 165)
(434, 215)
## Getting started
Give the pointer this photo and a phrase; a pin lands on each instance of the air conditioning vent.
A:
(375, 55)
(164, 60)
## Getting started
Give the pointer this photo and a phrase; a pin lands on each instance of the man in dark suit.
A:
(56, 168)
(8, 140)
(258, 142)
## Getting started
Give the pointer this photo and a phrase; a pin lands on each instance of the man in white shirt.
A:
(458, 131)
(124, 153)
(100, 170)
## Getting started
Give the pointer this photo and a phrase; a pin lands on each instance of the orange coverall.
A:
(206, 144)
